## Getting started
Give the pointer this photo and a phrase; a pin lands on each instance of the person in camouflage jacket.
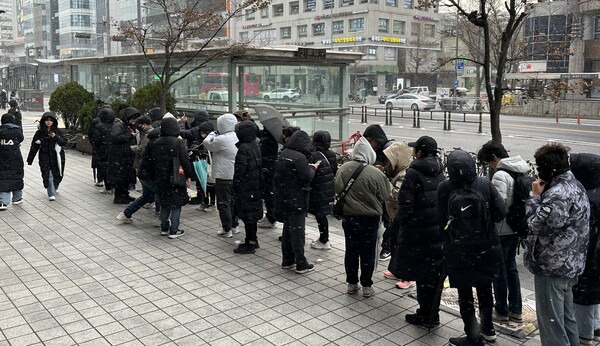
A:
(558, 213)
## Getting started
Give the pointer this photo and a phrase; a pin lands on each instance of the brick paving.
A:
(71, 274)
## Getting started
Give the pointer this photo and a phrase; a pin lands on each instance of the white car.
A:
(285, 95)
(410, 101)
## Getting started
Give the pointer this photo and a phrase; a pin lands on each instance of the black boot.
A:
(245, 248)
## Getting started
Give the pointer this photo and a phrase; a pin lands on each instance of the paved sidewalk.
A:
(71, 274)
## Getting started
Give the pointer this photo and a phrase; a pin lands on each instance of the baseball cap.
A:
(425, 144)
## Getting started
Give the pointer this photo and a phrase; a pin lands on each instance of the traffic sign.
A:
(460, 67)
(456, 83)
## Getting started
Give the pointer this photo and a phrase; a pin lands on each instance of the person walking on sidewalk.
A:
(222, 145)
(49, 141)
(322, 190)
(161, 154)
(16, 111)
(558, 213)
(507, 289)
(362, 210)
(246, 184)
(468, 208)
(11, 162)
(293, 178)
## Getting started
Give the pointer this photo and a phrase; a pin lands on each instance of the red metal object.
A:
(351, 140)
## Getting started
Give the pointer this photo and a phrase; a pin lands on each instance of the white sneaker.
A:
(52, 198)
(224, 234)
(268, 225)
(106, 192)
(124, 219)
(320, 246)
(263, 220)
(236, 230)
(17, 202)
(209, 208)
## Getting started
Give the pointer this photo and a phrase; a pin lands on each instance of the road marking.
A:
(546, 128)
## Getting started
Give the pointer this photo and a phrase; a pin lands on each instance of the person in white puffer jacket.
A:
(507, 289)
(222, 145)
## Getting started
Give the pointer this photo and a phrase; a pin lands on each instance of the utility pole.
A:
(455, 84)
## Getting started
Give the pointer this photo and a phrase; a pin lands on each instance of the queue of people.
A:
(436, 220)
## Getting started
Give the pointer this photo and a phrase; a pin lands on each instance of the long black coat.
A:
(471, 266)
(161, 153)
(586, 168)
(11, 161)
(48, 157)
(100, 139)
(247, 176)
(293, 176)
(322, 189)
(419, 252)
(120, 156)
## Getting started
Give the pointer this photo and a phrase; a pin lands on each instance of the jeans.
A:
(148, 196)
(292, 240)
(170, 214)
(467, 310)
(225, 204)
(555, 312)
(587, 319)
(323, 224)
(361, 244)
(5, 196)
(508, 284)
(51, 189)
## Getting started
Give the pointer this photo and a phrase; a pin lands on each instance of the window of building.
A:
(286, 32)
(244, 36)
(408, 3)
(389, 53)
(264, 12)
(294, 7)
(357, 24)
(318, 29)
(80, 4)
(383, 25)
(429, 30)
(393, 3)
(328, 4)
(80, 20)
(302, 30)
(399, 27)
(264, 37)
(370, 52)
(249, 14)
(346, 3)
(338, 27)
(415, 29)
(278, 10)
(597, 28)
(310, 5)
(364, 1)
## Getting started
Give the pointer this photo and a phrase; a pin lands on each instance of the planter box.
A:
(83, 144)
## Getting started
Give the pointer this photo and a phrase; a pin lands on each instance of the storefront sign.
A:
(257, 25)
(311, 53)
(431, 19)
(388, 39)
(579, 76)
(532, 66)
(340, 14)
(343, 40)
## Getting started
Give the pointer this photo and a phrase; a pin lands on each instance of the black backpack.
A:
(517, 217)
(468, 218)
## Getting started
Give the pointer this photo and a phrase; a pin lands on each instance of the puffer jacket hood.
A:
(7, 118)
(430, 166)
(322, 140)
(155, 114)
(200, 117)
(399, 155)
(586, 168)
(246, 131)
(226, 123)
(376, 132)
(107, 115)
(461, 167)
(49, 115)
(300, 141)
(363, 152)
(169, 127)
(514, 164)
(130, 113)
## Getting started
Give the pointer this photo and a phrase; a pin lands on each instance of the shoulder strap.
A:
(513, 175)
(359, 169)
(325, 157)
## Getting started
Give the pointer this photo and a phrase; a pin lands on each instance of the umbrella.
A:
(272, 120)
(201, 168)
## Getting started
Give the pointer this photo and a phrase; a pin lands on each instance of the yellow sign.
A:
(149, 50)
(388, 39)
(347, 39)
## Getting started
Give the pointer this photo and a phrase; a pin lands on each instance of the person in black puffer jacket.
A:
(477, 265)
(100, 140)
(418, 255)
(156, 116)
(293, 178)
(120, 172)
(321, 188)
(16, 111)
(161, 153)
(246, 184)
(195, 148)
(11, 162)
(586, 293)
(49, 140)
(268, 151)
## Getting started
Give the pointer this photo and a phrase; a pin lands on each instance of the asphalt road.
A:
(520, 135)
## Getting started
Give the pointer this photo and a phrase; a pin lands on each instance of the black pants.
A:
(292, 240)
(268, 195)
(361, 243)
(323, 224)
(251, 228)
(467, 310)
(429, 294)
(225, 204)
(209, 197)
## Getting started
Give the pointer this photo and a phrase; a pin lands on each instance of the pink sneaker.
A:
(404, 284)
(388, 275)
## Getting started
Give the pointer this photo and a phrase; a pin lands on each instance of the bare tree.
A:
(180, 22)
(422, 58)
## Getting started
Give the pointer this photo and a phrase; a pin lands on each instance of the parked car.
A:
(285, 95)
(410, 101)
(388, 95)
(420, 90)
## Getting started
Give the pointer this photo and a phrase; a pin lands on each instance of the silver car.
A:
(410, 101)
